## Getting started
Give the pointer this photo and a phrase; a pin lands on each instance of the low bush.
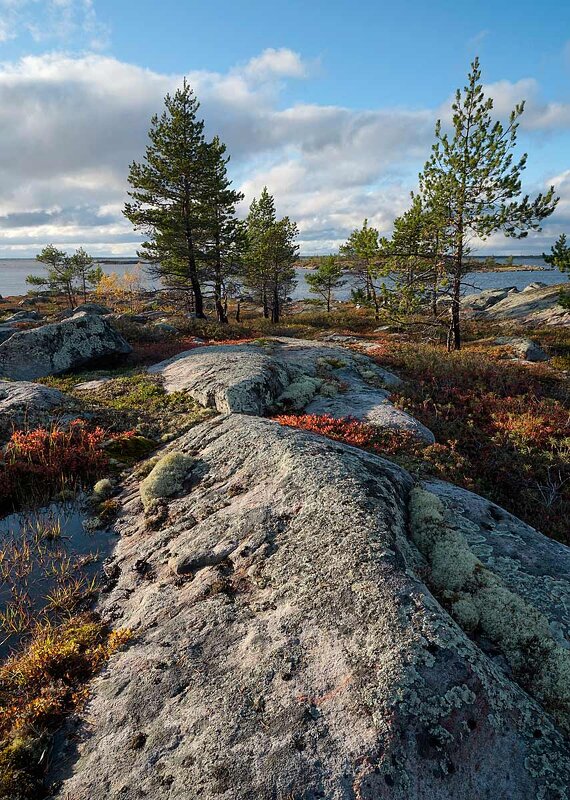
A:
(38, 686)
(37, 464)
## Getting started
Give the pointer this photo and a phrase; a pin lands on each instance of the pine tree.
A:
(260, 220)
(270, 255)
(559, 254)
(222, 232)
(326, 278)
(60, 273)
(84, 269)
(168, 194)
(473, 175)
(283, 253)
(363, 249)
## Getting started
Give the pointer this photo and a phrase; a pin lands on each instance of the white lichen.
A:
(299, 393)
(166, 478)
(480, 602)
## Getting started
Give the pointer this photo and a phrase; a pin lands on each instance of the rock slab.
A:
(286, 644)
(281, 375)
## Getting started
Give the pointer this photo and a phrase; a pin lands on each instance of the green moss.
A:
(166, 478)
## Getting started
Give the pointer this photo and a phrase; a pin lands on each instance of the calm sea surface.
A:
(13, 274)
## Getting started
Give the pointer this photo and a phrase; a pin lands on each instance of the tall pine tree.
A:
(167, 195)
(223, 234)
(473, 175)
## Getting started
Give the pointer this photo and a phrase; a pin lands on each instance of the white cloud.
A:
(283, 63)
(73, 22)
(70, 126)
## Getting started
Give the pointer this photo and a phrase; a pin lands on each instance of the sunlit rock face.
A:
(280, 375)
(296, 635)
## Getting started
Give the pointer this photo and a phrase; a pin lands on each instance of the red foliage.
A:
(41, 461)
(154, 352)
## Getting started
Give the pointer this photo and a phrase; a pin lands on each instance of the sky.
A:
(332, 105)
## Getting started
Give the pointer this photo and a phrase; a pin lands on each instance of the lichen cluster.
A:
(479, 602)
(166, 478)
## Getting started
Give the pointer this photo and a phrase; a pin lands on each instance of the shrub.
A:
(38, 686)
(39, 463)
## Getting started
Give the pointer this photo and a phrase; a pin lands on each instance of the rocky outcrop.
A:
(280, 375)
(297, 634)
(532, 306)
(58, 347)
(24, 404)
(523, 348)
(92, 308)
(488, 297)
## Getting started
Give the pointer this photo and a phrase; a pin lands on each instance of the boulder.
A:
(487, 298)
(27, 404)
(6, 331)
(534, 307)
(535, 285)
(523, 348)
(293, 636)
(284, 375)
(59, 347)
(92, 308)
(24, 316)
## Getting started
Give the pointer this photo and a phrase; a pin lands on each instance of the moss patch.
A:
(166, 478)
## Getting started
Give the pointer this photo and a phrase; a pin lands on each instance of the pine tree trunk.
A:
(238, 311)
(265, 303)
(275, 307)
(454, 336)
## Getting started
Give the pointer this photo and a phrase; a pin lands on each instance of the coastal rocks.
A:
(59, 347)
(24, 316)
(532, 306)
(286, 645)
(6, 331)
(92, 308)
(289, 375)
(487, 298)
(26, 404)
(523, 348)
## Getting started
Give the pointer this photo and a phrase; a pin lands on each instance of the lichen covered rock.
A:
(26, 404)
(61, 346)
(289, 375)
(286, 645)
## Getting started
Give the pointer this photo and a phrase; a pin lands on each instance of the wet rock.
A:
(288, 645)
(52, 349)
(283, 375)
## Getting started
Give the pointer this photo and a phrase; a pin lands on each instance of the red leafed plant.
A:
(41, 461)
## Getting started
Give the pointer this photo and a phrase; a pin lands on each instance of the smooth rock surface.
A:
(530, 307)
(27, 404)
(487, 298)
(523, 348)
(59, 347)
(286, 646)
(283, 375)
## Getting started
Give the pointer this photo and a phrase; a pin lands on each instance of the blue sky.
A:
(332, 104)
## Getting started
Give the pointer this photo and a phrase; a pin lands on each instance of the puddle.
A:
(49, 562)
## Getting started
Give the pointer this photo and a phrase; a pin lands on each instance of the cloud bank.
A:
(70, 126)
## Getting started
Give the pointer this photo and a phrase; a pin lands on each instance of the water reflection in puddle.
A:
(48, 567)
